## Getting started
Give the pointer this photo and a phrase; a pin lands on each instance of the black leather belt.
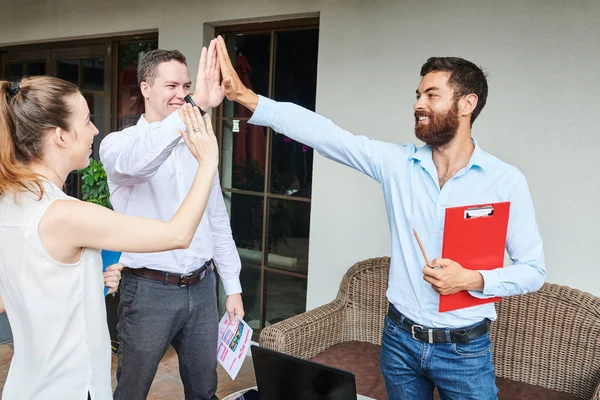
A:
(437, 335)
(168, 277)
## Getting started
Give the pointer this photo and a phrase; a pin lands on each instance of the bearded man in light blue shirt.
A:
(421, 347)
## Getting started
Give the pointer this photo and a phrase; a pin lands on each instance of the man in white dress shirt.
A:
(169, 298)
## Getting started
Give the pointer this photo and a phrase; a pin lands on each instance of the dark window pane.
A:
(291, 167)
(243, 156)
(68, 70)
(246, 224)
(288, 232)
(286, 297)
(93, 92)
(129, 97)
(295, 80)
(14, 72)
(250, 280)
(93, 74)
(250, 55)
(36, 68)
(296, 67)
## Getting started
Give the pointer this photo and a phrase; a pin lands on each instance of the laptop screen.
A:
(281, 376)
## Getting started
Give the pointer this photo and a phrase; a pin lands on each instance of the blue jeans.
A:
(411, 368)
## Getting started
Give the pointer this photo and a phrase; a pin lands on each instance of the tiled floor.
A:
(166, 385)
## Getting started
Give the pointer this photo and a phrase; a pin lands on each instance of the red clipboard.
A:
(474, 237)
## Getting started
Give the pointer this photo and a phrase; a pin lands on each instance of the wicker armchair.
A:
(355, 315)
(561, 352)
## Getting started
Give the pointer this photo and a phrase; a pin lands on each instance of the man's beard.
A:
(440, 129)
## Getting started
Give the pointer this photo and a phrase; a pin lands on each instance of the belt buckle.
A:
(412, 331)
(429, 333)
(182, 277)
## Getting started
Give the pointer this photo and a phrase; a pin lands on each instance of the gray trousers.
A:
(153, 316)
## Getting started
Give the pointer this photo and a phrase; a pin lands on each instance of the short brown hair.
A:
(147, 68)
(465, 78)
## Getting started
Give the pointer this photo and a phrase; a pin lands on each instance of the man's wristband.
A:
(188, 99)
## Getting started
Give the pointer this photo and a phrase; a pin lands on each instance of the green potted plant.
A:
(94, 185)
(94, 188)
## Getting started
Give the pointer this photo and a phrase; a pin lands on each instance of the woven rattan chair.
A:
(550, 338)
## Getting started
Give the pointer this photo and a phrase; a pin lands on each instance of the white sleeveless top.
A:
(56, 311)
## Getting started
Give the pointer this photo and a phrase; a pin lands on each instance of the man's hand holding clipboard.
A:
(474, 239)
(447, 276)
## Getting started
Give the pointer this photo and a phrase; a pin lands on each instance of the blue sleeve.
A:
(359, 152)
(527, 272)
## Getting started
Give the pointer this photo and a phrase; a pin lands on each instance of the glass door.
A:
(266, 177)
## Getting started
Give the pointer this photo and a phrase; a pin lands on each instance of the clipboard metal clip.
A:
(478, 212)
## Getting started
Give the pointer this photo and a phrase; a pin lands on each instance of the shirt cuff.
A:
(265, 112)
(232, 286)
(173, 124)
(488, 286)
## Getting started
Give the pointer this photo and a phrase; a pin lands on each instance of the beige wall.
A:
(542, 113)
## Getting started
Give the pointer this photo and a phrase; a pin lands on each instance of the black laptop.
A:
(281, 376)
